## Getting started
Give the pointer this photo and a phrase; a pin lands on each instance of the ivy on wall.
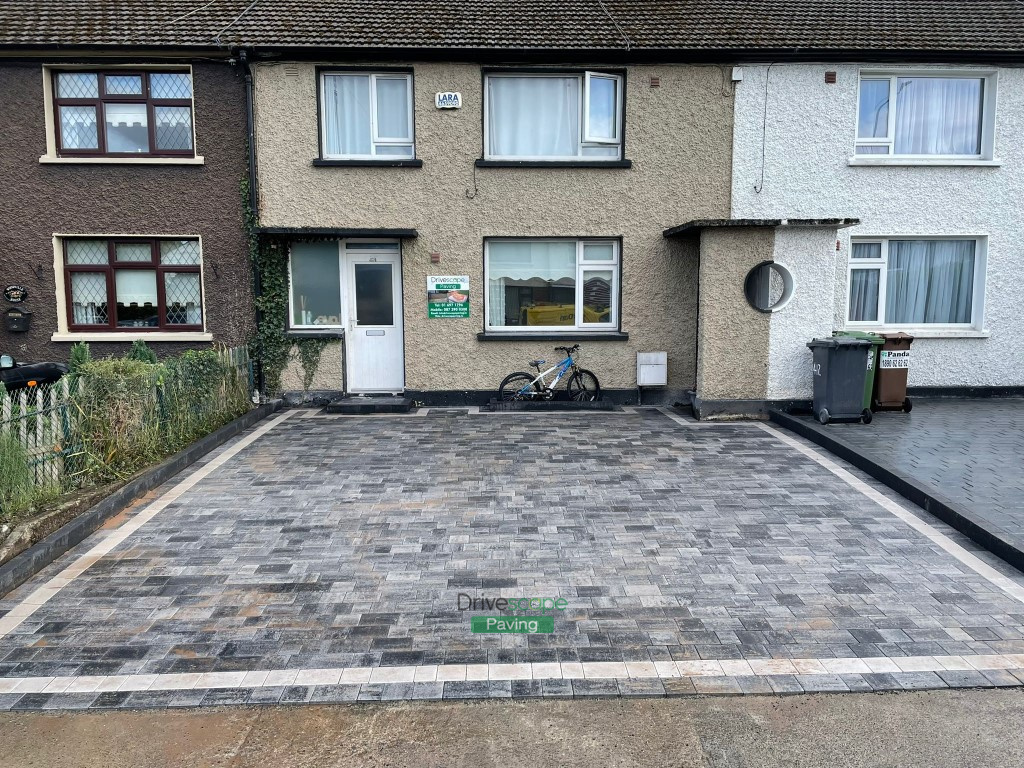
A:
(270, 345)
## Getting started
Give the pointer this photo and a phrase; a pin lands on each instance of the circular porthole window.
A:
(768, 287)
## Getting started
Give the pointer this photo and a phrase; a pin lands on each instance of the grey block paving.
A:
(345, 542)
(969, 450)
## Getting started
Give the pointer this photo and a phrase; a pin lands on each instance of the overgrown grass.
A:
(110, 419)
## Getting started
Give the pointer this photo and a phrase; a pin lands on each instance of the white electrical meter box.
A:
(651, 369)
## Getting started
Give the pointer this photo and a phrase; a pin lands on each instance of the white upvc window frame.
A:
(375, 138)
(882, 264)
(582, 266)
(989, 80)
(583, 118)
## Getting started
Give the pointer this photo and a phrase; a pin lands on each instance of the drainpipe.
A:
(254, 193)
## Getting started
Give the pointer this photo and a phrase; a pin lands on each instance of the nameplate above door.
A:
(375, 333)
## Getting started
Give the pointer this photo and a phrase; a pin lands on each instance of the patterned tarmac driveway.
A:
(321, 558)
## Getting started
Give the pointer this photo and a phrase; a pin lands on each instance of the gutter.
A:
(254, 196)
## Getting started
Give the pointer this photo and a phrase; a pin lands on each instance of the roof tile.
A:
(695, 25)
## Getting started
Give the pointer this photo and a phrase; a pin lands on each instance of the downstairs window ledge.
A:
(581, 336)
(128, 336)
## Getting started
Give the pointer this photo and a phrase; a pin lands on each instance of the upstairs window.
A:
(123, 113)
(366, 116)
(925, 116)
(554, 117)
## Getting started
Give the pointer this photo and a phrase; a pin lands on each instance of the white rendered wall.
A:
(809, 140)
(810, 256)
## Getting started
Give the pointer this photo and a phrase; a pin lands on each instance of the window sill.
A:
(54, 160)
(311, 333)
(128, 336)
(547, 336)
(905, 162)
(928, 333)
(320, 162)
(554, 163)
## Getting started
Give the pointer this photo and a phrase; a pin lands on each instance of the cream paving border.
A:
(31, 603)
(631, 670)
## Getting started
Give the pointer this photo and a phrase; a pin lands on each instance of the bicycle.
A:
(582, 385)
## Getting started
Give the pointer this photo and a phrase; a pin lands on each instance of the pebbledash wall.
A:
(794, 160)
(46, 198)
(678, 137)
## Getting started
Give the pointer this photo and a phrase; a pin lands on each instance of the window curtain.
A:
(938, 116)
(88, 298)
(533, 116)
(526, 263)
(864, 295)
(347, 115)
(930, 281)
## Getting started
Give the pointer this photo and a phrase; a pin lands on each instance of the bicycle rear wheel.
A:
(512, 387)
(584, 387)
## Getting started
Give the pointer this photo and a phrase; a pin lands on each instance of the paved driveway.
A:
(321, 558)
(970, 451)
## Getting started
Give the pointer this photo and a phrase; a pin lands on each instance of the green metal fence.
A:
(100, 426)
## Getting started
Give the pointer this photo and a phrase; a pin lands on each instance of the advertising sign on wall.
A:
(448, 296)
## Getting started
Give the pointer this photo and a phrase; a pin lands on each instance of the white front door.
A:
(374, 345)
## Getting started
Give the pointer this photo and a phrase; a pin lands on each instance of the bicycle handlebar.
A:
(568, 350)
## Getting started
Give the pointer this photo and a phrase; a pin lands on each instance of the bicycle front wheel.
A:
(584, 387)
(516, 386)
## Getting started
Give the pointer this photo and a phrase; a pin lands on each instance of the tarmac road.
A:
(932, 728)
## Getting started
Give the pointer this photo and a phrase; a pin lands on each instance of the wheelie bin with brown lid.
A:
(891, 378)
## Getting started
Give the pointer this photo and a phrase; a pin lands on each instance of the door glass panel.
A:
(375, 297)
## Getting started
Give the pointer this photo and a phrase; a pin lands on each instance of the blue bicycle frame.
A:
(562, 367)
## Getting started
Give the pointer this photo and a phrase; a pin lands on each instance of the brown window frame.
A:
(112, 266)
(104, 98)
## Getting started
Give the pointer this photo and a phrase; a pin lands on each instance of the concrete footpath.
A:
(927, 728)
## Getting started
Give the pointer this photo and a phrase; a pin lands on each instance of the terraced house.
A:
(459, 187)
(120, 176)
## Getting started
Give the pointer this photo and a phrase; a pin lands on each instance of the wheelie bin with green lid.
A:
(876, 341)
(839, 366)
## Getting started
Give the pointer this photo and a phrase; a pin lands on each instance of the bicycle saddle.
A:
(537, 363)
